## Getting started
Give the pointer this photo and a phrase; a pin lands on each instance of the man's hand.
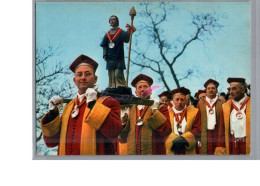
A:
(179, 143)
(155, 105)
(124, 115)
(91, 94)
(55, 101)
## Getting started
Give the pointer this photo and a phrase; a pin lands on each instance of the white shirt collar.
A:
(140, 107)
(81, 97)
(177, 111)
(211, 101)
(240, 102)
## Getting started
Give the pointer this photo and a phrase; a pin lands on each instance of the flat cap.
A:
(200, 92)
(211, 81)
(236, 80)
(83, 59)
(181, 90)
(142, 77)
(165, 93)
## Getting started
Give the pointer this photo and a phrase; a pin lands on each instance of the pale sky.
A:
(80, 26)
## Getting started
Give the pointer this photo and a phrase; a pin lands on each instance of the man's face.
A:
(202, 96)
(236, 92)
(179, 101)
(164, 100)
(140, 87)
(211, 91)
(113, 21)
(84, 78)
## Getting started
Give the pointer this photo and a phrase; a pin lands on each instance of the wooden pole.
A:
(132, 13)
(122, 99)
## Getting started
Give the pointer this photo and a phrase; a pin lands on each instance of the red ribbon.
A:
(242, 106)
(82, 101)
(141, 114)
(132, 28)
(207, 103)
(179, 121)
(115, 35)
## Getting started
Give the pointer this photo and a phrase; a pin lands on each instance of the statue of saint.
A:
(113, 52)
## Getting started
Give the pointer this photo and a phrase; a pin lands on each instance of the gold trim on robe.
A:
(226, 111)
(204, 130)
(91, 122)
(51, 128)
(191, 116)
(152, 121)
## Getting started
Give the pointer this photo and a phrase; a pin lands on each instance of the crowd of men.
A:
(223, 119)
(209, 124)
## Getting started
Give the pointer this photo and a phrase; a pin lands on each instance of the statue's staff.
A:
(132, 13)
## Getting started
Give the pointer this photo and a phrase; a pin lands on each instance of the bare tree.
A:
(169, 52)
(51, 79)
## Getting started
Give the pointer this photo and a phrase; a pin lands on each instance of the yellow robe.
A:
(91, 122)
(191, 116)
(151, 122)
(226, 107)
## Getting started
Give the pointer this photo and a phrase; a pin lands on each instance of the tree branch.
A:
(185, 46)
(204, 24)
(39, 137)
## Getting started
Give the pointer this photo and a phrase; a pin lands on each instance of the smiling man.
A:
(89, 125)
(234, 132)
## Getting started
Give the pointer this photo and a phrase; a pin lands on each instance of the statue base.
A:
(125, 97)
(119, 90)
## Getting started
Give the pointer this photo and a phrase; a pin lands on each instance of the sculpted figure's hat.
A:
(142, 78)
(165, 93)
(181, 90)
(211, 81)
(83, 60)
(236, 80)
(200, 92)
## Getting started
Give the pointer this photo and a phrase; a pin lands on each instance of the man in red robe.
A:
(210, 109)
(201, 95)
(234, 132)
(185, 123)
(165, 97)
(89, 125)
(147, 126)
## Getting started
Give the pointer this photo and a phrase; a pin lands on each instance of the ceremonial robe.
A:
(148, 139)
(191, 134)
(91, 133)
(226, 140)
(209, 138)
